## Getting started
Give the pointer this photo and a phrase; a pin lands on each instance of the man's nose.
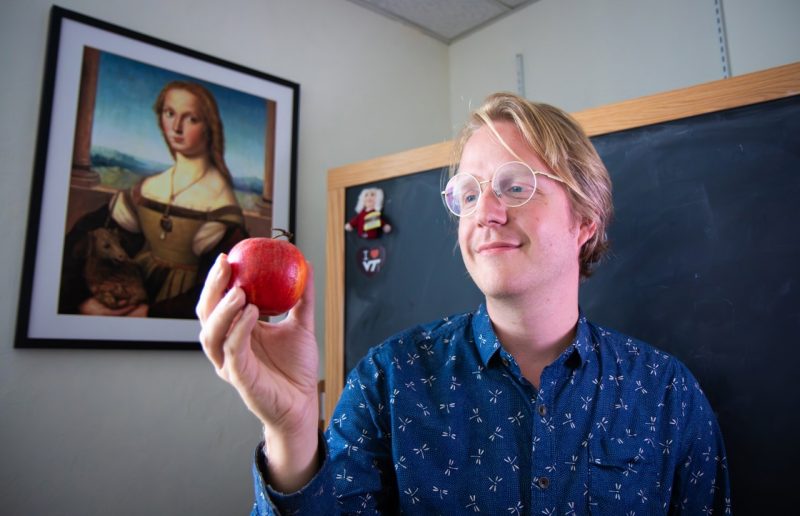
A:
(490, 209)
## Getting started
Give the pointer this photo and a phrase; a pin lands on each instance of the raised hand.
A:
(273, 366)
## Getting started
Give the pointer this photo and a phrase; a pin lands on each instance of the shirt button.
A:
(505, 361)
(542, 410)
(544, 482)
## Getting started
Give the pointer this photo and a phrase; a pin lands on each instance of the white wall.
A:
(120, 432)
(580, 54)
(762, 34)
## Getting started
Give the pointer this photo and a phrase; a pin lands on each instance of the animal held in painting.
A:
(111, 275)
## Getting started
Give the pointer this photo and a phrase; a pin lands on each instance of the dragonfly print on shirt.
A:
(439, 419)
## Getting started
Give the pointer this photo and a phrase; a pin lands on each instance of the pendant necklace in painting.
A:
(166, 221)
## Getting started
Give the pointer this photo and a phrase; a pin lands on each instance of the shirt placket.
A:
(542, 449)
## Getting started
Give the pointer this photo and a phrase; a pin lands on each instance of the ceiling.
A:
(445, 20)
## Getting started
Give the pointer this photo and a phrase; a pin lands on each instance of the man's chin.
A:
(500, 289)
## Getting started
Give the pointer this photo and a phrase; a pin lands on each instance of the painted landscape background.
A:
(120, 171)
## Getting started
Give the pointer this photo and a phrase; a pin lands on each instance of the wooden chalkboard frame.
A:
(753, 88)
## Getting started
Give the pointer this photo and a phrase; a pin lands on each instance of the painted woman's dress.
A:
(174, 263)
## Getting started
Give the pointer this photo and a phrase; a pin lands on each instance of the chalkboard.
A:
(704, 258)
(705, 265)
(422, 271)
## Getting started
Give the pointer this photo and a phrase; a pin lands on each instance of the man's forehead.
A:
(485, 150)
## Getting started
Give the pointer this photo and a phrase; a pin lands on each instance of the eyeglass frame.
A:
(534, 173)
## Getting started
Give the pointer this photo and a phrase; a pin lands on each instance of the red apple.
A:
(271, 272)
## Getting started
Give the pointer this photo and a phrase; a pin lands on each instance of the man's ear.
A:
(586, 231)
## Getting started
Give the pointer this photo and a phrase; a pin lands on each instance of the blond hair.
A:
(561, 143)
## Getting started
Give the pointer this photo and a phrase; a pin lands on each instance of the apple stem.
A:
(283, 233)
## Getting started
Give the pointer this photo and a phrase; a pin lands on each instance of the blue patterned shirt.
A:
(440, 420)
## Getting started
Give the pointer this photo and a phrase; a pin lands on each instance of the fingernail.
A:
(217, 266)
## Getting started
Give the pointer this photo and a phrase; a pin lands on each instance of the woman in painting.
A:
(173, 223)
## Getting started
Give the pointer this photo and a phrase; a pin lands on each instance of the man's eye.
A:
(469, 196)
(517, 189)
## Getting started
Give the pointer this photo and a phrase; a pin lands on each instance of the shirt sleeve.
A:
(357, 474)
(701, 484)
(123, 212)
(355, 222)
(314, 498)
(207, 237)
(360, 447)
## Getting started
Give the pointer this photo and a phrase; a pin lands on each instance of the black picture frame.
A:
(62, 173)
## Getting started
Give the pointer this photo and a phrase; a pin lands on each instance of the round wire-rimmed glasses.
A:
(513, 183)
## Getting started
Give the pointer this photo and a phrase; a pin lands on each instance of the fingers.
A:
(214, 287)
(237, 345)
(210, 296)
(219, 325)
(303, 311)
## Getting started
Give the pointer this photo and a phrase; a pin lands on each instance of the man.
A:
(521, 407)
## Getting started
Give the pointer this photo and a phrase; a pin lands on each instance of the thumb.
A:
(303, 311)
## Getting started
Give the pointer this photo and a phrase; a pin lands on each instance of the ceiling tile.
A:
(443, 19)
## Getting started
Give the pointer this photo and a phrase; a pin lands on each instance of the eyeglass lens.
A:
(513, 183)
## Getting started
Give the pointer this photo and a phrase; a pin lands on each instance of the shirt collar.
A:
(488, 344)
(583, 342)
(483, 333)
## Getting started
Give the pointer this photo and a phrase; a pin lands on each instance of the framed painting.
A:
(151, 159)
